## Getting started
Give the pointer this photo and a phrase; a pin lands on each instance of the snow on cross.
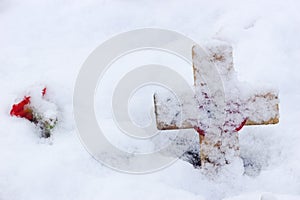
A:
(218, 109)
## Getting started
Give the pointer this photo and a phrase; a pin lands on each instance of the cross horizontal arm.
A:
(261, 109)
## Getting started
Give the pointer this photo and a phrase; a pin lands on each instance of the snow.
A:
(46, 108)
(45, 42)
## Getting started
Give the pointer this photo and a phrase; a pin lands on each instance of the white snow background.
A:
(45, 42)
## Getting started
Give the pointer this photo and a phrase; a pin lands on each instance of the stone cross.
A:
(217, 109)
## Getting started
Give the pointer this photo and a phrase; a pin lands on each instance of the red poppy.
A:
(23, 109)
(241, 125)
(44, 91)
(199, 131)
